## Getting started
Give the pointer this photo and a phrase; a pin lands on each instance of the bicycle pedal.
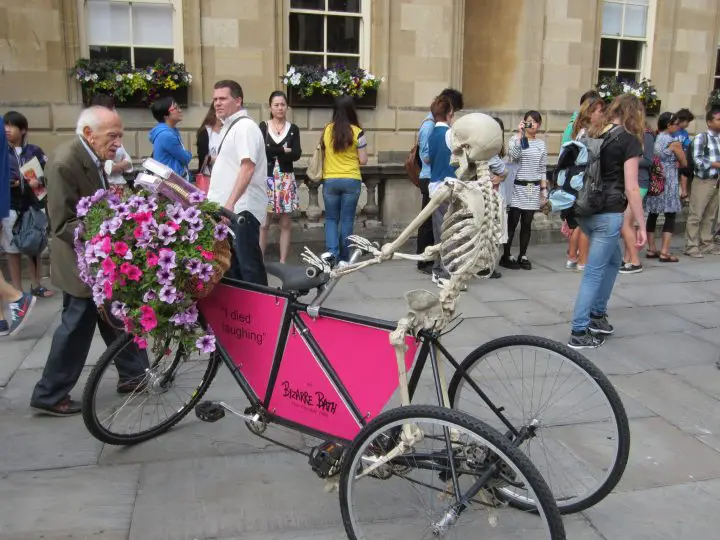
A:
(209, 411)
(326, 459)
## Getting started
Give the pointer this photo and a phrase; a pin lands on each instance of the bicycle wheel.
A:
(417, 494)
(579, 438)
(168, 390)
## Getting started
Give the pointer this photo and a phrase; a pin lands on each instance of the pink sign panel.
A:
(363, 359)
(303, 393)
(247, 324)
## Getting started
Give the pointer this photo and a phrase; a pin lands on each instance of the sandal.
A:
(666, 258)
(41, 292)
(652, 254)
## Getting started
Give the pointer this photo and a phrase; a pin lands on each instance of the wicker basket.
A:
(221, 257)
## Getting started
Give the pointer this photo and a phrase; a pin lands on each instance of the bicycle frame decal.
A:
(247, 324)
(363, 358)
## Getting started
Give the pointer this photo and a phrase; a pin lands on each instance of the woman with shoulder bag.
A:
(282, 147)
(208, 140)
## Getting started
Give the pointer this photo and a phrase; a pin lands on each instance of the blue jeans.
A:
(341, 197)
(603, 265)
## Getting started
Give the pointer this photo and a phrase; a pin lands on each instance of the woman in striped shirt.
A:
(530, 189)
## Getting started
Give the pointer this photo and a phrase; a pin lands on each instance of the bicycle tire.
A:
(546, 501)
(88, 399)
(621, 419)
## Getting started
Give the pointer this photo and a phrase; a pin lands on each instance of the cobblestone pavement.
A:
(203, 481)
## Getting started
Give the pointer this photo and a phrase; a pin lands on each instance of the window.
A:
(329, 32)
(624, 41)
(140, 32)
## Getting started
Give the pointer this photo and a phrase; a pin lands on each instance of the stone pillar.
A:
(313, 212)
(371, 209)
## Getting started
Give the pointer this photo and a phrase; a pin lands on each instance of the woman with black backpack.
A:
(619, 160)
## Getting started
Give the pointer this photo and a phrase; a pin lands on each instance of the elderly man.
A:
(238, 179)
(20, 303)
(77, 171)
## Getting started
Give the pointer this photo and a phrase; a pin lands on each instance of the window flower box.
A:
(611, 87)
(318, 87)
(132, 87)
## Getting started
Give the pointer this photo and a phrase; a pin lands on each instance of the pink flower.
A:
(141, 217)
(148, 319)
(138, 233)
(140, 342)
(108, 266)
(125, 267)
(121, 248)
(134, 273)
(107, 289)
(152, 259)
(173, 225)
(107, 245)
(208, 256)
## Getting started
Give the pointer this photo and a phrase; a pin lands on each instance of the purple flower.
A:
(191, 236)
(196, 225)
(221, 231)
(174, 212)
(98, 196)
(191, 215)
(149, 296)
(168, 294)
(83, 207)
(206, 273)
(122, 209)
(135, 201)
(90, 256)
(98, 293)
(185, 318)
(166, 234)
(166, 260)
(111, 226)
(165, 276)
(194, 266)
(119, 310)
(197, 197)
(205, 344)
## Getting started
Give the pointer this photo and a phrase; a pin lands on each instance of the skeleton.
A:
(469, 243)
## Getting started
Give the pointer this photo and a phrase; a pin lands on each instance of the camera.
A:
(528, 125)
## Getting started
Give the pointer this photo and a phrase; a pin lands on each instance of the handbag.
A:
(657, 178)
(314, 170)
(202, 180)
(30, 233)
(413, 163)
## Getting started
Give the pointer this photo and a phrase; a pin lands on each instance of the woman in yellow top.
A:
(345, 151)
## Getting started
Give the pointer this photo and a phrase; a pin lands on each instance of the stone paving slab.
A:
(664, 350)
(681, 512)
(78, 503)
(527, 312)
(672, 293)
(680, 404)
(704, 378)
(706, 314)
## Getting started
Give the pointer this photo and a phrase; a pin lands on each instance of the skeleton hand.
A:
(358, 242)
(309, 258)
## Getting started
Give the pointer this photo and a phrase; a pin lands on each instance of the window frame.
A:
(646, 53)
(364, 15)
(178, 37)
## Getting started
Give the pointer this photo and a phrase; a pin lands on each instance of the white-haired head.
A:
(102, 129)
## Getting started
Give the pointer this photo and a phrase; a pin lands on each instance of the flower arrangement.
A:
(121, 80)
(334, 82)
(149, 261)
(610, 87)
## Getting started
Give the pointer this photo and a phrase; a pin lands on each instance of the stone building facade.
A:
(506, 55)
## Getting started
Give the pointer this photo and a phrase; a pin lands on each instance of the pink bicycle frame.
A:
(327, 376)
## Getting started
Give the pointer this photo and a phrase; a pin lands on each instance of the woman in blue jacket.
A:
(167, 144)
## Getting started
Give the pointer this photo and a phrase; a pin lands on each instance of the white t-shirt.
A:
(120, 156)
(243, 141)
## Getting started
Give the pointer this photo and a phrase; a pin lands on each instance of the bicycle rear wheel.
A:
(579, 432)
(419, 493)
(169, 389)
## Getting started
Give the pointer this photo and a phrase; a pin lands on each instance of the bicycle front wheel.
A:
(169, 389)
(442, 485)
(572, 422)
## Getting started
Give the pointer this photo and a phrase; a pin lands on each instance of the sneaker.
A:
(711, 249)
(571, 265)
(20, 311)
(509, 262)
(694, 253)
(580, 268)
(486, 273)
(524, 263)
(630, 268)
(425, 269)
(600, 325)
(4, 328)
(585, 340)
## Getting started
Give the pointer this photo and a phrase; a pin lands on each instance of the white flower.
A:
(369, 77)
(188, 78)
(130, 75)
(291, 71)
(285, 80)
(94, 77)
(296, 79)
(148, 77)
(325, 81)
(118, 78)
(626, 88)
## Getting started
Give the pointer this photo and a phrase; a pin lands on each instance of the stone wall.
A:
(507, 56)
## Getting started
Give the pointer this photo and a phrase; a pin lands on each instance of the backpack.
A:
(579, 177)
(657, 178)
(30, 232)
(413, 163)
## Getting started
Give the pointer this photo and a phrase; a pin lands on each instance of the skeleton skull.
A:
(474, 137)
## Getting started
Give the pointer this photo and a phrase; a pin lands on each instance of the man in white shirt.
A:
(238, 180)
